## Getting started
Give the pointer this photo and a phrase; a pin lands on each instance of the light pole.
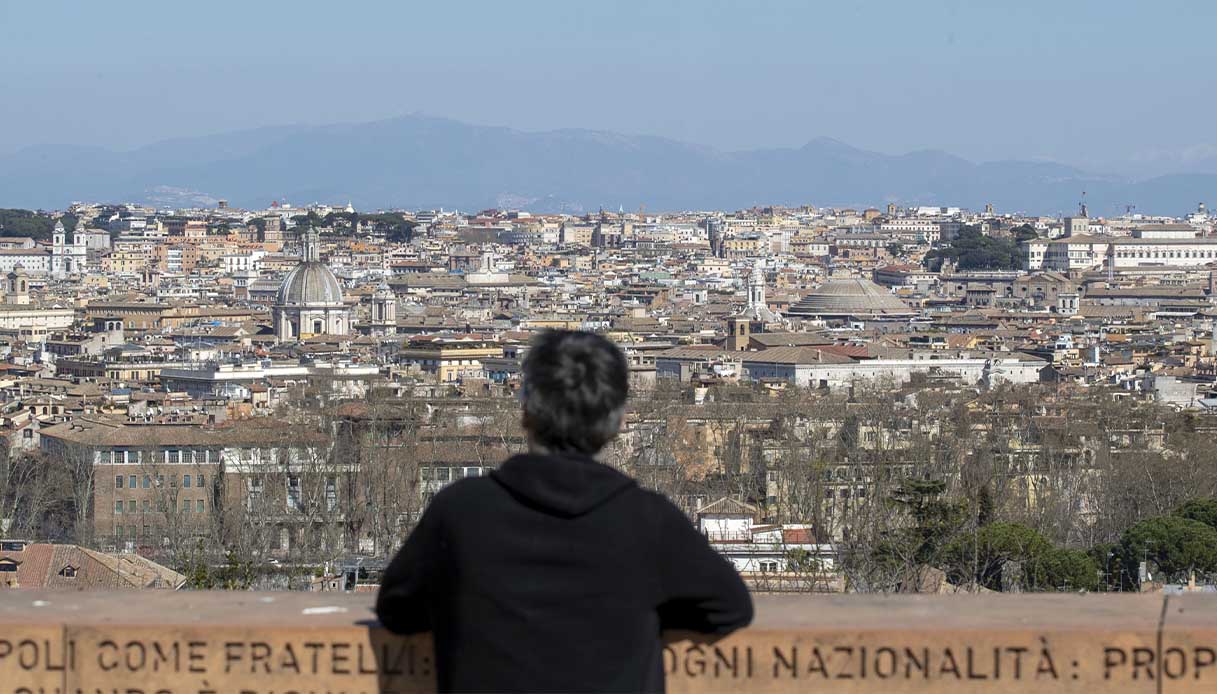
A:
(1145, 558)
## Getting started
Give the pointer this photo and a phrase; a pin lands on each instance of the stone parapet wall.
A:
(314, 643)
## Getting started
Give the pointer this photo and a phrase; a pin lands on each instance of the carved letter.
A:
(1200, 663)
(780, 661)
(1142, 658)
(1180, 668)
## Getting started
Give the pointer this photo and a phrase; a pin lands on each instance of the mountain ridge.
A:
(421, 161)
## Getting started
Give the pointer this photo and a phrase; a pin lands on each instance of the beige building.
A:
(450, 359)
(33, 321)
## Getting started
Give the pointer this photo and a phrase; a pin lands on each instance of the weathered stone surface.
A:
(33, 657)
(1186, 660)
(1041, 643)
(141, 643)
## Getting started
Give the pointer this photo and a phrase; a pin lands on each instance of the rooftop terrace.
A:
(140, 642)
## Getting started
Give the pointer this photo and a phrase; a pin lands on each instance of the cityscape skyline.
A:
(419, 162)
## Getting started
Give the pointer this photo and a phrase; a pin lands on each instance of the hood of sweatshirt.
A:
(565, 485)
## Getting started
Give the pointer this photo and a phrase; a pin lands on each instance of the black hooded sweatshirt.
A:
(556, 573)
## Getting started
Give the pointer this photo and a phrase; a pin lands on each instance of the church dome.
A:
(310, 284)
(849, 296)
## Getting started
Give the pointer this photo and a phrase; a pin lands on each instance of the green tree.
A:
(1070, 569)
(985, 557)
(1106, 557)
(933, 519)
(1023, 232)
(1176, 546)
(35, 225)
(972, 250)
(1203, 510)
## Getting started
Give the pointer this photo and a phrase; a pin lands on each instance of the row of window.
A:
(134, 481)
(186, 456)
(131, 506)
(1167, 254)
(449, 474)
(845, 493)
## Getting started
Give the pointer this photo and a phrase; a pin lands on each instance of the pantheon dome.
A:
(849, 297)
(310, 300)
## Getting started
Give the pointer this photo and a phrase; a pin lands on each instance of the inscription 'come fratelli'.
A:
(395, 657)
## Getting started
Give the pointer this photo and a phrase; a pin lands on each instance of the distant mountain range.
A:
(425, 162)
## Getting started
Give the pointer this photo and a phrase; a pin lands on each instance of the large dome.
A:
(849, 296)
(310, 284)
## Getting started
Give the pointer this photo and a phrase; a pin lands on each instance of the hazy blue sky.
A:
(1111, 83)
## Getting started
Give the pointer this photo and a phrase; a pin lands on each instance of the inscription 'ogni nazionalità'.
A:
(1036, 662)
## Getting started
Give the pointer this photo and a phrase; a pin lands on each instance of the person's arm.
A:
(403, 603)
(701, 590)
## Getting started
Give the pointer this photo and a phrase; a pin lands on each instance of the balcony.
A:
(144, 642)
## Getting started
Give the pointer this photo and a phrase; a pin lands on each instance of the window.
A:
(132, 482)
(147, 505)
(131, 506)
(147, 481)
(198, 481)
(331, 493)
(185, 481)
(254, 492)
(173, 481)
(186, 506)
(68, 572)
(293, 492)
(8, 566)
(118, 481)
(118, 507)
(198, 506)
(160, 481)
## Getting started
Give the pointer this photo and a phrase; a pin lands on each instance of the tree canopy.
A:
(1175, 545)
(395, 227)
(1023, 232)
(987, 556)
(972, 250)
(14, 222)
(1203, 510)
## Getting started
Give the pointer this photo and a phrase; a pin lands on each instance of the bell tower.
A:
(17, 288)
